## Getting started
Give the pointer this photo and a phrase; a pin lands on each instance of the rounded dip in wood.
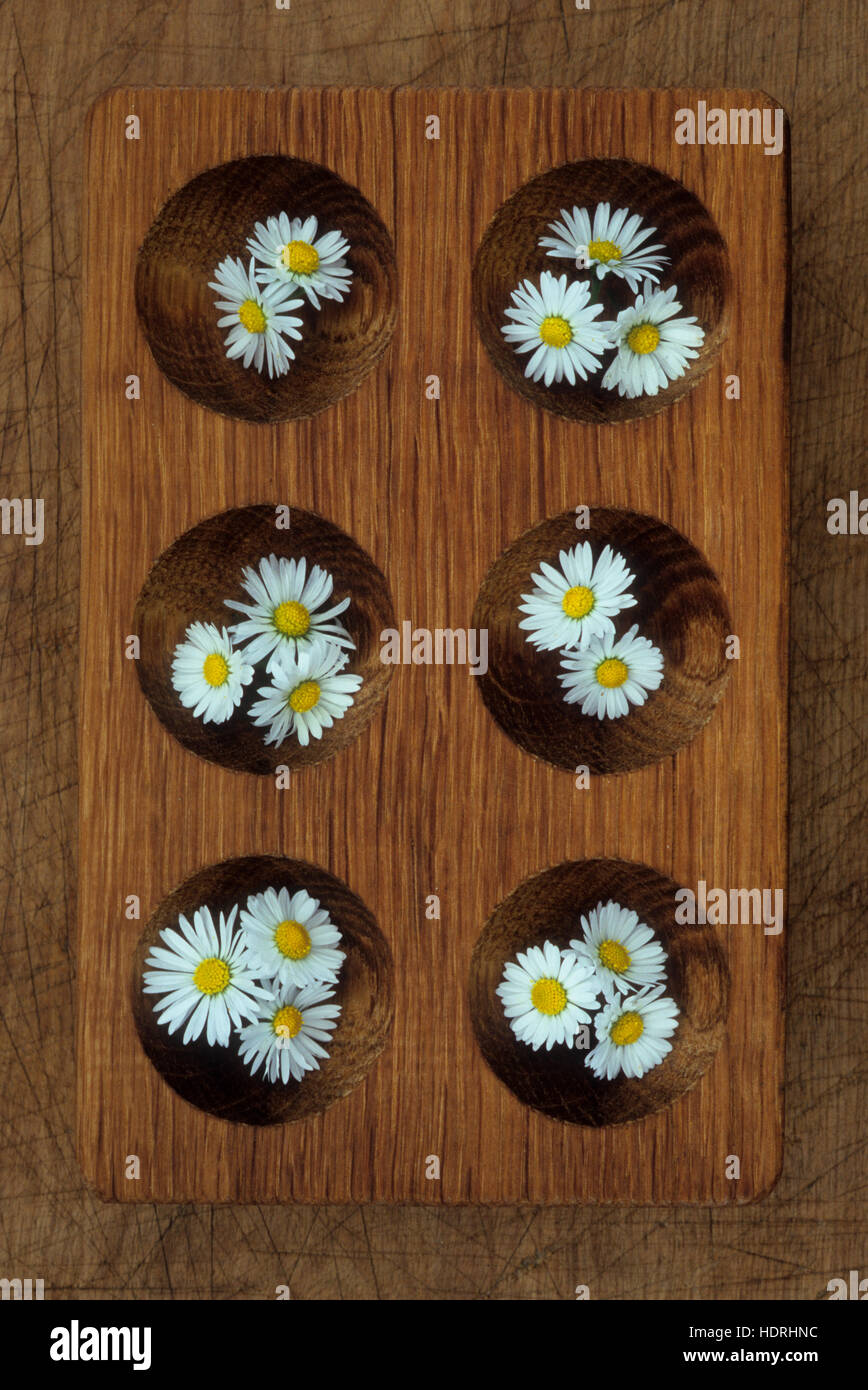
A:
(681, 608)
(510, 253)
(189, 582)
(211, 218)
(548, 907)
(215, 1078)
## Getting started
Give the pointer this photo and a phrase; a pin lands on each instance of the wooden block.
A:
(432, 798)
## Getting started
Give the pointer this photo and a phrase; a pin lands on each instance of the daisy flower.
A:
(288, 1036)
(290, 253)
(309, 691)
(608, 676)
(654, 347)
(614, 243)
(285, 616)
(556, 324)
(571, 605)
(291, 939)
(547, 995)
(205, 976)
(622, 950)
(633, 1033)
(208, 675)
(257, 317)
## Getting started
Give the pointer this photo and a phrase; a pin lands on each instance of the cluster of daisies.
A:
(571, 611)
(614, 971)
(557, 321)
(256, 301)
(268, 976)
(292, 629)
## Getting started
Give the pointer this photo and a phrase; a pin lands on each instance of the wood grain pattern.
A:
(51, 1223)
(378, 465)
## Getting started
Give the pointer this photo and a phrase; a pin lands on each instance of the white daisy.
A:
(289, 252)
(257, 317)
(555, 324)
(547, 995)
(291, 938)
(208, 675)
(608, 676)
(309, 691)
(623, 951)
(206, 976)
(571, 605)
(614, 243)
(287, 1039)
(633, 1033)
(284, 617)
(654, 347)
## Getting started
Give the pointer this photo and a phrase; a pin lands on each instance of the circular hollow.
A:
(189, 583)
(211, 218)
(548, 907)
(510, 252)
(215, 1078)
(680, 607)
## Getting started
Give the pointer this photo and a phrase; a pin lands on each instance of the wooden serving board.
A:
(433, 798)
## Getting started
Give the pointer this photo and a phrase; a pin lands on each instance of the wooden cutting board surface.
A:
(433, 798)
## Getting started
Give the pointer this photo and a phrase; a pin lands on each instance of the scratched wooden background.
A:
(52, 1226)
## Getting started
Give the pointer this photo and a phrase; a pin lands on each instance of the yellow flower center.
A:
(578, 601)
(643, 338)
(211, 976)
(292, 619)
(300, 257)
(613, 955)
(287, 1022)
(604, 251)
(215, 669)
(252, 317)
(555, 331)
(292, 940)
(627, 1029)
(549, 997)
(304, 697)
(612, 672)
